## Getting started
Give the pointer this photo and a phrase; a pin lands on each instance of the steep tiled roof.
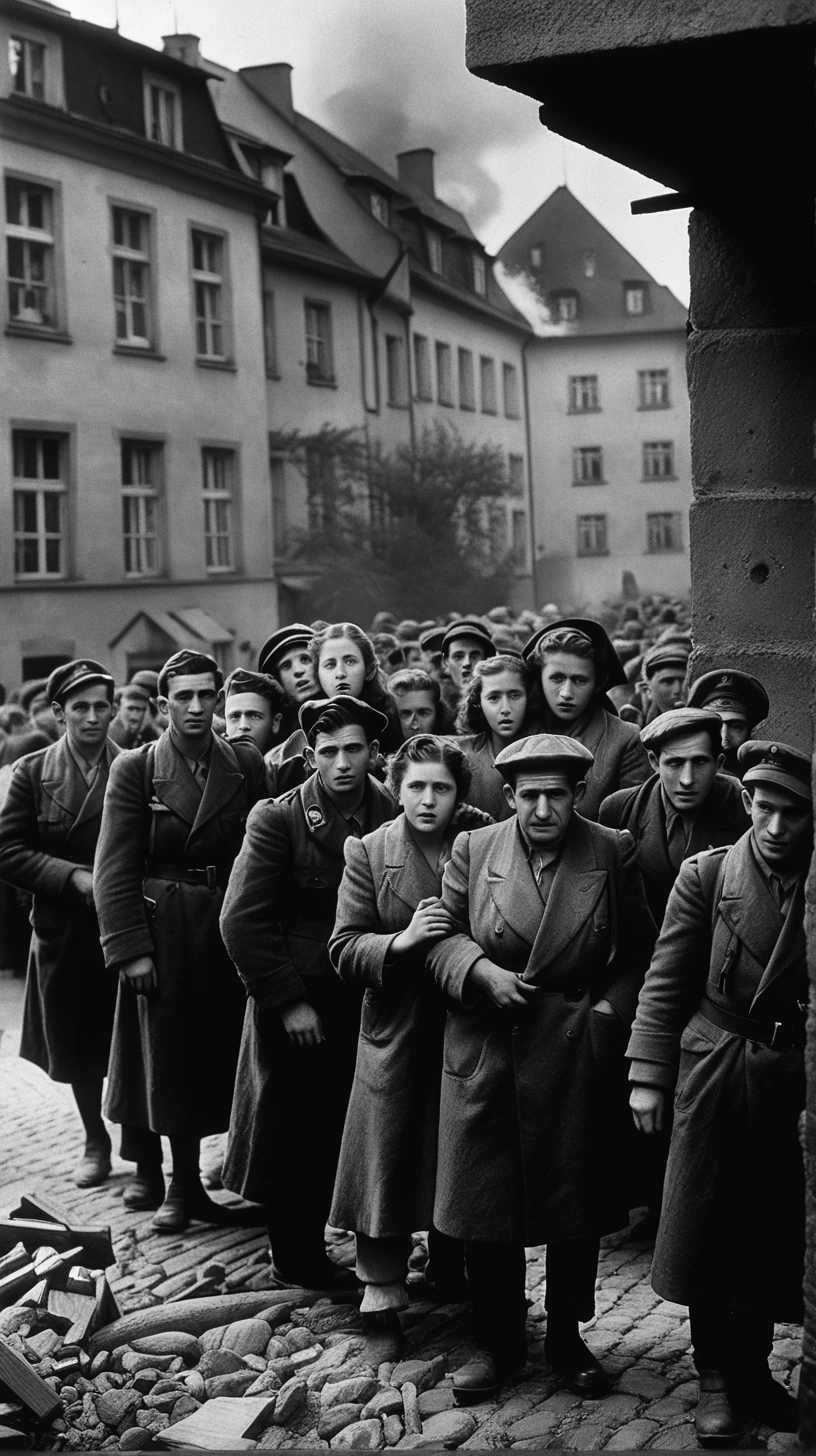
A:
(345, 157)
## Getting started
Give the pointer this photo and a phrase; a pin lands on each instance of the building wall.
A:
(620, 427)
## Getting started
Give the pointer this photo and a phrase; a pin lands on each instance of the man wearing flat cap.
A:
(285, 656)
(173, 823)
(721, 1025)
(664, 670)
(301, 1025)
(254, 705)
(464, 643)
(741, 702)
(49, 827)
(552, 936)
(127, 727)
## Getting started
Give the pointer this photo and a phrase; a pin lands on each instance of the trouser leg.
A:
(571, 1271)
(88, 1097)
(446, 1261)
(296, 1221)
(142, 1146)
(496, 1274)
(382, 1265)
(186, 1162)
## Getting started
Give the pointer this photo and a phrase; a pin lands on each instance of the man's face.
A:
(295, 672)
(417, 712)
(544, 804)
(132, 709)
(781, 822)
(734, 728)
(463, 654)
(86, 715)
(568, 683)
(666, 688)
(190, 704)
(687, 768)
(250, 715)
(342, 759)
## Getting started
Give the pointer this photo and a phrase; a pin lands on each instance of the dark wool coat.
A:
(290, 1103)
(720, 821)
(534, 1122)
(49, 826)
(174, 1052)
(732, 1225)
(621, 761)
(486, 785)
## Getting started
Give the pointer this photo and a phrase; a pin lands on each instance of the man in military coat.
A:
(300, 1032)
(172, 825)
(49, 828)
(741, 702)
(721, 1022)
(552, 936)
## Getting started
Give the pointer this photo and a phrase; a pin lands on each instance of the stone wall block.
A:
(752, 569)
(738, 280)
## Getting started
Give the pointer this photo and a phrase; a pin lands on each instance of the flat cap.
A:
(467, 627)
(431, 639)
(244, 681)
(280, 640)
(31, 690)
(734, 691)
(776, 763)
(146, 678)
(612, 668)
(545, 752)
(135, 690)
(187, 662)
(79, 674)
(665, 654)
(371, 719)
(676, 721)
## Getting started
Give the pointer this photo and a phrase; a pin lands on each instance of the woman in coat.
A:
(578, 665)
(500, 704)
(388, 915)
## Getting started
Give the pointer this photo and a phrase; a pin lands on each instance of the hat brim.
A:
(763, 774)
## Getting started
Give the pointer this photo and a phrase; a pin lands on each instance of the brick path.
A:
(642, 1340)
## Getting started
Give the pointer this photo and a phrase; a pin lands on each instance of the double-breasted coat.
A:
(533, 1120)
(721, 820)
(732, 1225)
(174, 1051)
(278, 915)
(49, 826)
(621, 761)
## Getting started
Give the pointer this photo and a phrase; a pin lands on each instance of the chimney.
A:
(186, 48)
(274, 84)
(416, 169)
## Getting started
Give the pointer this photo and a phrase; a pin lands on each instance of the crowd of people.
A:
(491, 927)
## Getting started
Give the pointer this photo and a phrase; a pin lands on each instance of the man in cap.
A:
(465, 643)
(172, 825)
(254, 704)
(721, 1023)
(301, 1025)
(430, 643)
(552, 938)
(49, 829)
(664, 670)
(286, 657)
(131, 711)
(741, 702)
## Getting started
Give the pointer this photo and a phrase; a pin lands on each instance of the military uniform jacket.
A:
(732, 1226)
(534, 1106)
(720, 821)
(49, 826)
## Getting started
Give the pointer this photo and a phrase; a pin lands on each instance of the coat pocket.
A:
(698, 1040)
(466, 1041)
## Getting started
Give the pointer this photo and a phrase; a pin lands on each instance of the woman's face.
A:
(341, 668)
(417, 712)
(568, 683)
(504, 704)
(428, 796)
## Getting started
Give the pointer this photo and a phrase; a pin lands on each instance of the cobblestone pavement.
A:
(642, 1340)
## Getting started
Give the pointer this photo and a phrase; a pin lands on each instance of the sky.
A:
(387, 75)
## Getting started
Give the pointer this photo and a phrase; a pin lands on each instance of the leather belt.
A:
(778, 1035)
(182, 874)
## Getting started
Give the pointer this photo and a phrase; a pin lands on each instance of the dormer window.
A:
(435, 252)
(27, 66)
(479, 273)
(590, 265)
(162, 113)
(564, 307)
(378, 203)
(535, 257)
(635, 297)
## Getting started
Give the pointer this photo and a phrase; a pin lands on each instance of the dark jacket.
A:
(49, 826)
(174, 1052)
(533, 1111)
(732, 1226)
(621, 761)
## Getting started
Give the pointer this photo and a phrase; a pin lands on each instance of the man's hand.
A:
(81, 883)
(647, 1104)
(429, 922)
(139, 974)
(302, 1024)
(504, 988)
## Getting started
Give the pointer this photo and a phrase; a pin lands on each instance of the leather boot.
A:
(716, 1420)
(482, 1377)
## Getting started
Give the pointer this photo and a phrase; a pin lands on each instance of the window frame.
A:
(316, 374)
(396, 374)
(49, 238)
(583, 550)
(520, 539)
(144, 491)
(654, 452)
(511, 394)
(516, 473)
(207, 278)
(480, 274)
(653, 548)
(582, 454)
(576, 387)
(631, 290)
(488, 386)
(423, 369)
(51, 43)
(559, 299)
(134, 344)
(152, 81)
(270, 326)
(39, 486)
(444, 351)
(229, 453)
(467, 379)
(378, 206)
(645, 375)
(436, 255)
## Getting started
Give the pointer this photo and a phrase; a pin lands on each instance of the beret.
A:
(244, 681)
(284, 637)
(545, 751)
(665, 654)
(79, 674)
(615, 675)
(676, 721)
(371, 719)
(467, 627)
(188, 661)
(431, 639)
(776, 763)
(731, 690)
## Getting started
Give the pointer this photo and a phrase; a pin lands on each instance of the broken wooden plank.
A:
(92, 1245)
(36, 1205)
(222, 1424)
(80, 1281)
(14, 1259)
(79, 1309)
(17, 1284)
(26, 1385)
(194, 1316)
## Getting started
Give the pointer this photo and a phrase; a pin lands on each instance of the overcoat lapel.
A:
(653, 849)
(789, 950)
(91, 808)
(224, 779)
(61, 779)
(747, 906)
(407, 872)
(511, 884)
(576, 888)
(171, 787)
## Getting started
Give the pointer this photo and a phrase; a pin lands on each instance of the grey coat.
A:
(621, 761)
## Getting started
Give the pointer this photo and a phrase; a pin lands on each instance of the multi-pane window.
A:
(395, 368)
(379, 206)
(319, 356)
(587, 465)
(487, 379)
(435, 252)
(519, 544)
(535, 257)
(218, 486)
(479, 273)
(634, 295)
(653, 388)
(444, 373)
(27, 66)
(564, 307)
(583, 393)
(512, 406)
(321, 490)
(270, 331)
(592, 537)
(664, 531)
(141, 481)
(40, 463)
(515, 470)
(422, 367)
(162, 114)
(131, 277)
(497, 527)
(658, 460)
(467, 381)
(30, 253)
(208, 292)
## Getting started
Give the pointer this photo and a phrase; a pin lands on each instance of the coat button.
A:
(515, 1031)
(498, 928)
(570, 1034)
